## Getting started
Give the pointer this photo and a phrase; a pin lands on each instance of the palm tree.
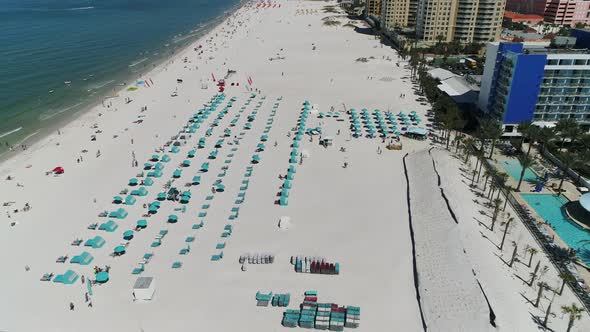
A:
(467, 143)
(525, 162)
(568, 159)
(574, 313)
(523, 128)
(493, 130)
(501, 179)
(566, 277)
(542, 286)
(564, 128)
(546, 135)
(474, 172)
(486, 176)
(497, 204)
(505, 231)
(533, 134)
(508, 189)
(532, 252)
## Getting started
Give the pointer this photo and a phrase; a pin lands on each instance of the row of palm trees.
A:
(494, 182)
(575, 153)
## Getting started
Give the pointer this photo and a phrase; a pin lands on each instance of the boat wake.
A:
(49, 115)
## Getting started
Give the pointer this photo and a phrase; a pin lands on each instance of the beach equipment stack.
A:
(315, 265)
(257, 258)
(321, 316)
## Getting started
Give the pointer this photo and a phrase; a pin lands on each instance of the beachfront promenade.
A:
(228, 154)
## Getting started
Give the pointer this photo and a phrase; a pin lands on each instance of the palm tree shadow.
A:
(481, 223)
(539, 322)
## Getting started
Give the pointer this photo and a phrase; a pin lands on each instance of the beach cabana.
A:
(109, 226)
(130, 200)
(119, 214)
(96, 242)
(128, 235)
(144, 288)
(84, 258)
(142, 223)
(141, 191)
(102, 277)
(68, 278)
(417, 132)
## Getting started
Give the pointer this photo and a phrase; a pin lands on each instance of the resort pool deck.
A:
(514, 168)
(550, 208)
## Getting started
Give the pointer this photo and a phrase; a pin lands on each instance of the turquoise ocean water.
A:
(94, 44)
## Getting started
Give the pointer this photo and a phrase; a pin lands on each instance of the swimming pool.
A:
(549, 207)
(513, 168)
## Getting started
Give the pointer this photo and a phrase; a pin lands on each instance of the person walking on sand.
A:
(71, 306)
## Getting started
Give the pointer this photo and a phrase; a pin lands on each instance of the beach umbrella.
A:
(102, 276)
(177, 173)
(155, 157)
(142, 223)
(128, 235)
(119, 250)
(196, 180)
(159, 166)
(255, 159)
(133, 182)
(147, 166)
(220, 188)
(186, 163)
(172, 218)
(191, 153)
(117, 199)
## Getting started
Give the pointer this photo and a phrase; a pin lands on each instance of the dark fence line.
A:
(415, 266)
(541, 239)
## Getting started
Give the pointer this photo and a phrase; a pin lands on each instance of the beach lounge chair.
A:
(93, 226)
(62, 259)
(156, 243)
(47, 277)
(220, 245)
(139, 269)
(189, 239)
(76, 242)
(199, 225)
(176, 265)
(68, 278)
(217, 256)
(163, 232)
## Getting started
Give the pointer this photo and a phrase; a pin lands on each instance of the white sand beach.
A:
(356, 216)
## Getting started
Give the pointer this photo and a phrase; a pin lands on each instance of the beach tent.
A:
(102, 277)
(119, 250)
(58, 170)
(109, 226)
(68, 278)
(96, 242)
(130, 200)
(144, 288)
(84, 258)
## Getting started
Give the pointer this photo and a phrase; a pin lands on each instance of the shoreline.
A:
(64, 119)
